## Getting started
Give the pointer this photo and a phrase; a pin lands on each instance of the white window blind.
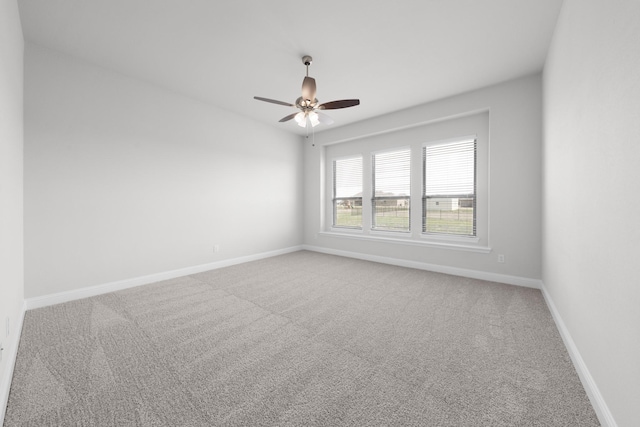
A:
(391, 190)
(347, 192)
(449, 196)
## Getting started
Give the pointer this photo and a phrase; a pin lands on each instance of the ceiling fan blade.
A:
(287, 118)
(324, 119)
(343, 103)
(309, 89)
(273, 101)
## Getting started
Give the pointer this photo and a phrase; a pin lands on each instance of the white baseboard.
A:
(5, 385)
(455, 271)
(597, 401)
(90, 291)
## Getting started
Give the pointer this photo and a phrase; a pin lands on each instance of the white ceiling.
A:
(389, 54)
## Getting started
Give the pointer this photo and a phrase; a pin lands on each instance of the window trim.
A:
(398, 239)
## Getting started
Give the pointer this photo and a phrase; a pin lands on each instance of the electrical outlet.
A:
(216, 248)
(501, 258)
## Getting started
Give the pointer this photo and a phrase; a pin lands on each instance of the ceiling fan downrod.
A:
(307, 60)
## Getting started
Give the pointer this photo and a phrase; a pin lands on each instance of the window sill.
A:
(378, 237)
(444, 238)
(345, 230)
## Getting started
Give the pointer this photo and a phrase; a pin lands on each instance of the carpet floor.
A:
(302, 339)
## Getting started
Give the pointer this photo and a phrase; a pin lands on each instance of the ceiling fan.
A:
(310, 109)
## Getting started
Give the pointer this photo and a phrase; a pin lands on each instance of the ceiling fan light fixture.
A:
(301, 119)
(313, 118)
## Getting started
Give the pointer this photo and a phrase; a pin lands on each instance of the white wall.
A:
(11, 189)
(514, 190)
(124, 179)
(591, 151)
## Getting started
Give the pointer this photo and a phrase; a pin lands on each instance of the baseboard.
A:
(597, 401)
(5, 386)
(455, 271)
(90, 291)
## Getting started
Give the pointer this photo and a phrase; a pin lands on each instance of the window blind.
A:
(347, 192)
(391, 190)
(449, 188)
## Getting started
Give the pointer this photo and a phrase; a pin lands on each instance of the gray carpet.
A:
(302, 339)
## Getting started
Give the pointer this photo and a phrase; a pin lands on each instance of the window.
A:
(424, 185)
(347, 192)
(449, 188)
(390, 202)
